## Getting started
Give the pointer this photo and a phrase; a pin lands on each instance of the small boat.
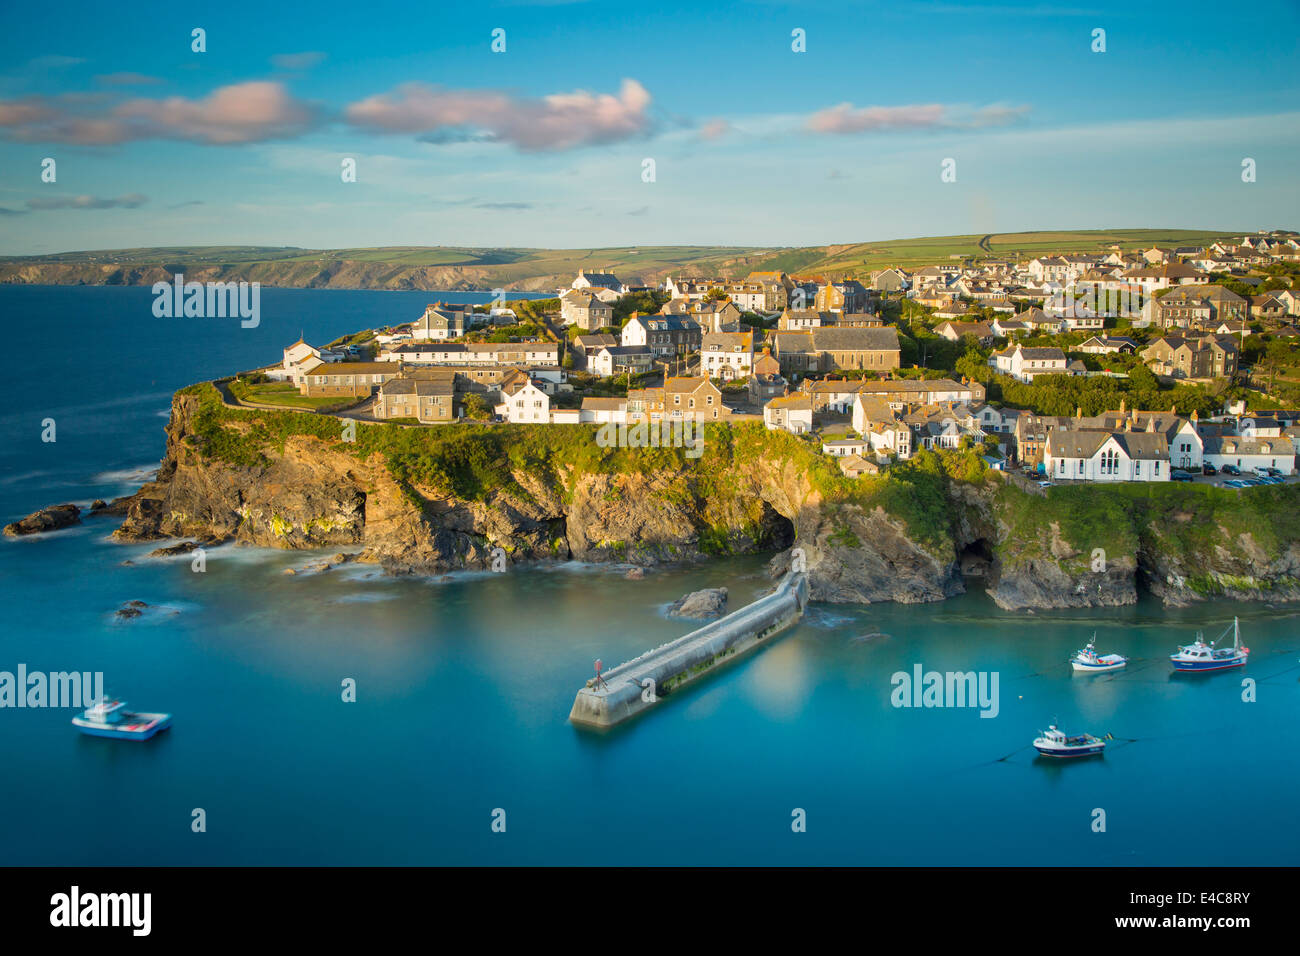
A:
(1054, 743)
(110, 718)
(1199, 656)
(1088, 659)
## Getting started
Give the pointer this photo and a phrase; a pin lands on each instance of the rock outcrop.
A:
(700, 605)
(51, 518)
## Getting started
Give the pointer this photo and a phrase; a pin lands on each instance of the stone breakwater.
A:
(643, 682)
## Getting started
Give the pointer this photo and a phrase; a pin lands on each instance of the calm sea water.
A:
(464, 685)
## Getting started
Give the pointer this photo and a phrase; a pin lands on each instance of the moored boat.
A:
(1089, 660)
(1199, 656)
(110, 718)
(1055, 743)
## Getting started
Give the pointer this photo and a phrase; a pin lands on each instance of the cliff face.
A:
(306, 492)
(314, 493)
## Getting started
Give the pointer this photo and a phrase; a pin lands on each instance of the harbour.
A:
(464, 686)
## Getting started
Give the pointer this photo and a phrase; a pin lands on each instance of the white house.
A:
(616, 359)
(727, 355)
(604, 285)
(441, 322)
(1025, 364)
(841, 447)
(794, 413)
(524, 402)
(297, 357)
(1095, 454)
(1251, 453)
(601, 411)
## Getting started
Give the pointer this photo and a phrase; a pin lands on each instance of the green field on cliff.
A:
(486, 268)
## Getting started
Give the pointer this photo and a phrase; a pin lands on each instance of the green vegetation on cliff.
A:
(474, 462)
(1201, 526)
(1191, 528)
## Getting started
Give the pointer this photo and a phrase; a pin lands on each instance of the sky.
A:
(551, 142)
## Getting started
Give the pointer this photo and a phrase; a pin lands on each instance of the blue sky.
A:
(543, 145)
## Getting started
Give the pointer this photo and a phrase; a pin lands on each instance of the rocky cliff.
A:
(421, 500)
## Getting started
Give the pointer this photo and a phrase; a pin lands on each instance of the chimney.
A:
(1078, 411)
(1123, 406)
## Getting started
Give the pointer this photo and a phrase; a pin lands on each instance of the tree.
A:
(476, 407)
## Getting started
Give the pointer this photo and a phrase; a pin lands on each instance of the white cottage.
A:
(1102, 455)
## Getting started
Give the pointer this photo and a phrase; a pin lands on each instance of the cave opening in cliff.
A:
(976, 559)
(775, 529)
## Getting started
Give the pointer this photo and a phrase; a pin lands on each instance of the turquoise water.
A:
(464, 685)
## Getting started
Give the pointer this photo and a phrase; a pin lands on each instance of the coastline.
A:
(287, 482)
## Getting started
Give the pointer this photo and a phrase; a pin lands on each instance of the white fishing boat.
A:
(110, 718)
(1056, 743)
(1089, 661)
(1199, 656)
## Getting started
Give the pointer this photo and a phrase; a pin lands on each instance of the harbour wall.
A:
(645, 681)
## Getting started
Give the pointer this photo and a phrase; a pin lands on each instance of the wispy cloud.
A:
(848, 119)
(55, 61)
(129, 201)
(128, 79)
(240, 113)
(555, 122)
(714, 129)
(298, 61)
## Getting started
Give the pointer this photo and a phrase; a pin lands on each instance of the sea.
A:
(456, 748)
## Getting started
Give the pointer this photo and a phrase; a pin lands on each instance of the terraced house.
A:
(664, 334)
(356, 379)
(727, 355)
(1249, 453)
(833, 349)
(681, 399)
(484, 353)
(429, 399)
(584, 309)
(1199, 307)
(1176, 356)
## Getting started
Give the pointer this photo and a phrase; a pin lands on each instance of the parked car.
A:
(1261, 471)
(1047, 484)
(1180, 476)
(1275, 473)
(1233, 483)
(1230, 470)
(1209, 470)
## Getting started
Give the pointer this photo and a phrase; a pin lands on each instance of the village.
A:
(1142, 365)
